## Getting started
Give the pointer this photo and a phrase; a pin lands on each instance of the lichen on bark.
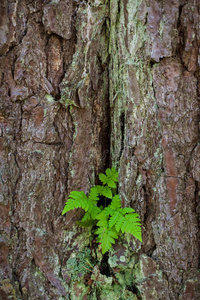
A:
(87, 85)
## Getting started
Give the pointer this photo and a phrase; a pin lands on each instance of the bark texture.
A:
(86, 85)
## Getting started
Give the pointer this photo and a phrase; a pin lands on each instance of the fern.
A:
(106, 237)
(110, 178)
(112, 220)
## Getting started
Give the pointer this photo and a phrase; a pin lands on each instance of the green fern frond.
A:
(77, 200)
(126, 210)
(103, 219)
(107, 238)
(109, 211)
(112, 174)
(106, 180)
(114, 219)
(116, 202)
(103, 178)
(94, 211)
(99, 189)
(119, 223)
(90, 215)
(103, 223)
(110, 178)
(126, 226)
(102, 215)
(131, 224)
(86, 217)
(107, 242)
(100, 230)
(94, 194)
(111, 220)
(133, 217)
(137, 234)
(106, 192)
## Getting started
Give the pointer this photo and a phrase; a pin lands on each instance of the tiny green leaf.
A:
(106, 191)
(94, 194)
(103, 178)
(111, 183)
(112, 173)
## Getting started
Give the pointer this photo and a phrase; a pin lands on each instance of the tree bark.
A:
(87, 85)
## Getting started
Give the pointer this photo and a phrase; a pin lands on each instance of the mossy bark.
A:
(87, 85)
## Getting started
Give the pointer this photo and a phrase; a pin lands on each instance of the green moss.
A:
(49, 98)
(161, 27)
(113, 261)
(78, 291)
(80, 265)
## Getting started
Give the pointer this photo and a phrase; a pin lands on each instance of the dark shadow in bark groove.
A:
(122, 125)
(135, 291)
(104, 266)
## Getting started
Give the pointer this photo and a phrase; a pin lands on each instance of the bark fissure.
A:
(87, 85)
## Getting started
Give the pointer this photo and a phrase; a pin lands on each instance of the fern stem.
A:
(87, 262)
(87, 269)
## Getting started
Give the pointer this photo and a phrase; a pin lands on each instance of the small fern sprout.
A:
(111, 221)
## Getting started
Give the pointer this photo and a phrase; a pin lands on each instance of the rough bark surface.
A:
(86, 85)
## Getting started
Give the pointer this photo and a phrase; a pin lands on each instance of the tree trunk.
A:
(87, 85)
